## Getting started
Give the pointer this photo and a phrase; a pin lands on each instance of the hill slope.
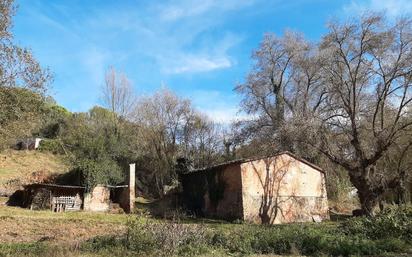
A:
(23, 167)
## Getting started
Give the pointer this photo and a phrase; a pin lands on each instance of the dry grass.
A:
(22, 225)
(24, 167)
(63, 233)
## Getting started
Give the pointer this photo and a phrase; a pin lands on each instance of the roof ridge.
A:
(244, 160)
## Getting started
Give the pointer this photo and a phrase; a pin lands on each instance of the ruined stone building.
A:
(61, 198)
(279, 189)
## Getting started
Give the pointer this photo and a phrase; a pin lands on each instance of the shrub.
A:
(271, 241)
(305, 239)
(139, 237)
(167, 238)
(51, 145)
(394, 222)
(101, 171)
(238, 241)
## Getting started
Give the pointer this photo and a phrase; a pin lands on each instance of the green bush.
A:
(271, 242)
(394, 222)
(305, 239)
(237, 241)
(101, 171)
(167, 239)
(51, 145)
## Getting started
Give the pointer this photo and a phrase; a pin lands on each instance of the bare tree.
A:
(265, 86)
(202, 140)
(170, 128)
(398, 161)
(118, 94)
(348, 97)
(283, 89)
(367, 75)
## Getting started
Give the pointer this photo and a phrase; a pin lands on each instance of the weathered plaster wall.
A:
(225, 200)
(214, 193)
(97, 200)
(282, 189)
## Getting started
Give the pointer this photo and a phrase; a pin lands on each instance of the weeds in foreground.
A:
(388, 234)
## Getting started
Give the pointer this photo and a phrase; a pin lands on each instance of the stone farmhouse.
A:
(279, 189)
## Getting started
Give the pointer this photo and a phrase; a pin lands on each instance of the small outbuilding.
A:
(61, 198)
(279, 189)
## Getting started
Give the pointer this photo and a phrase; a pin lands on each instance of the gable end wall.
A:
(282, 189)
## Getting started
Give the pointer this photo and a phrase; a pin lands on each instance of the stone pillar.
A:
(132, 185)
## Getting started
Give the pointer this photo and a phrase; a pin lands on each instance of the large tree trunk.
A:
(368, 194)
(368, 200)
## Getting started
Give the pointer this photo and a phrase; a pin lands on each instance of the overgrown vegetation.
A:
(94, 148)
(393, 222)
(387, 234)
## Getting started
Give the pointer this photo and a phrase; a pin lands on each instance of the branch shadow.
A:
(272, 180)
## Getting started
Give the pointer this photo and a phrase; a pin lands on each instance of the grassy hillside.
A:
(22, 167)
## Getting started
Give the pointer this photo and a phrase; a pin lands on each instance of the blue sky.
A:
(199, 49)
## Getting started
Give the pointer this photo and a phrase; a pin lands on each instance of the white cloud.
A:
(222, 116)
(221, 107)
(189, 8)
(158, 32)
(197, 64)
(94, 62)
(204, 60)
(181, 25)
(167, 39)
(226, 115)
(185, 9)
(177, 45)
(392, 8)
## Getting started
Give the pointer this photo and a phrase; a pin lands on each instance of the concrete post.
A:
(132, 185)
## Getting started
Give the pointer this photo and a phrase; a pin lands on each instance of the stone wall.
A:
(225, 199)
(214, 193)
(282, 189)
